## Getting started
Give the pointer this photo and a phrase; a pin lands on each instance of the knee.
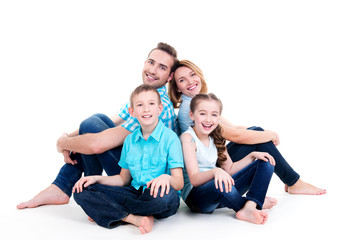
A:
(92, 124)
(267, 166)
(255, 128)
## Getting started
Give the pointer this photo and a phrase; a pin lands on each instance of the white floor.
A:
(296, 217)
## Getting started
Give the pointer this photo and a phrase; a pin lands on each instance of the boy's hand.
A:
(162, 181)
(84, 182)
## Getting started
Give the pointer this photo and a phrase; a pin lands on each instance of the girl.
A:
(189, 81)
(206, 186)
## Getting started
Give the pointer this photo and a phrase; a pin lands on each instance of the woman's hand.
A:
(84, 182)
(220, 177)
(264, 156)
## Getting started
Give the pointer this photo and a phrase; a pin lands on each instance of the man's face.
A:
(156, 71)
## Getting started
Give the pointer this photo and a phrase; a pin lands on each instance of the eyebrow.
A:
(163, 65)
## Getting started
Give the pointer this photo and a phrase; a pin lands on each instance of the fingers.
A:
(155, 185)
(224, 182)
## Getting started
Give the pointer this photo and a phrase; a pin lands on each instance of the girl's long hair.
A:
(174, 94)
(219, 140)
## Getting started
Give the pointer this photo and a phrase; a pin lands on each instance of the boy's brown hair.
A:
(143, 88)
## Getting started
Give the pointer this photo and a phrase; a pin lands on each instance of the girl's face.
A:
(206, 116)
(187, 81)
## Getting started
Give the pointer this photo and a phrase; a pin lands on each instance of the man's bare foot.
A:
(52, 195)
(249, 213)
(145, 223)
(269, 203)
(301, 187)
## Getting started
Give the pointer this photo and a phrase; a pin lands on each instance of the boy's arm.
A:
(175, 180)
(123, 179)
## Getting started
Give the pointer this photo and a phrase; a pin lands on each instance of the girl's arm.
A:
(197, 178)
(230, 167)
(222, 179)
(241, 135)
(123, 179)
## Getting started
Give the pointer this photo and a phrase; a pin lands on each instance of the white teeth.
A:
(193, 87)
(147, 116)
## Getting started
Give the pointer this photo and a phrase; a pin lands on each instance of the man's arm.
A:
(93, 143)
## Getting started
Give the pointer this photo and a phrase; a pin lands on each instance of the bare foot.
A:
(249, 213)
(145, 223)
(52, 195)
(301, 187)
(90, 219)
(269, 203)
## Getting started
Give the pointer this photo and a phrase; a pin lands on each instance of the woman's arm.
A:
(243, 136)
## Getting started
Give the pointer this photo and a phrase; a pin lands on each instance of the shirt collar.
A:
(162, 90)
(185, 98)
(156, 134)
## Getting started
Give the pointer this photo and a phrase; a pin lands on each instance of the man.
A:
(98, 141)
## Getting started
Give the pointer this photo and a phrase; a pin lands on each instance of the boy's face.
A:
(146, 108)
(156, 71)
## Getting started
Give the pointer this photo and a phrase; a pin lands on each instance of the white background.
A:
(288, 66)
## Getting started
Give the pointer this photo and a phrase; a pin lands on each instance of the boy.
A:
(151, 161)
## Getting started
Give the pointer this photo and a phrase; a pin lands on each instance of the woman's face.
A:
(187, 81)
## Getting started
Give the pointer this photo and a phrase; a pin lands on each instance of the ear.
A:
(191, 115)
(161, 107)
(131, 111)
(170, 77)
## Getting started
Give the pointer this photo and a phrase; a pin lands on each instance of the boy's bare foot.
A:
(52, 195)
(269, 202)
(301, 187)
(145, 223)
(249, 213)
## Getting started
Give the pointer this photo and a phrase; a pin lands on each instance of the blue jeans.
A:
(282, 168)
(108, 205)
(90, 164)
(253, 180)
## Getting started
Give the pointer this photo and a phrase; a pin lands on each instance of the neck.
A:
(204, 138)
(147, 130)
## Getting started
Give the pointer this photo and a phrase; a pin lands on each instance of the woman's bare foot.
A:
(301, 187)
(145, 223)
(249, 213)
(52, 195)
(269, 202)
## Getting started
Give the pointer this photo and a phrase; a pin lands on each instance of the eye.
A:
(151, 62)
(163, 68)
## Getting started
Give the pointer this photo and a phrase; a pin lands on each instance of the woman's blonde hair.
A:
(174, 94)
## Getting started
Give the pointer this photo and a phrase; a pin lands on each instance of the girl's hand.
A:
(162, 181)
(220, 177)
(84, 181)
(264, 156)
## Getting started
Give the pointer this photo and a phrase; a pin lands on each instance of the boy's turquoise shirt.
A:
(148, 159)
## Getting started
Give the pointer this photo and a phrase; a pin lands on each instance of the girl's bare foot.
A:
(249, 213)
(52, 195)
(301, 187)
(145, 223)
(269, 203)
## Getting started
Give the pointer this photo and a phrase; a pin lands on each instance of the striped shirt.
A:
(167, 116)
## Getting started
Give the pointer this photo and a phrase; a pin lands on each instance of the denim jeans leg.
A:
(282, 168)
(159, 207)
(94, 164)
(68, 175)
(105, 204)
(254, 180)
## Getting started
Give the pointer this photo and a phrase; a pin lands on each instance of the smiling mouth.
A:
(147, 116)
(207, 126)
(192, 87)
(151, 77)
